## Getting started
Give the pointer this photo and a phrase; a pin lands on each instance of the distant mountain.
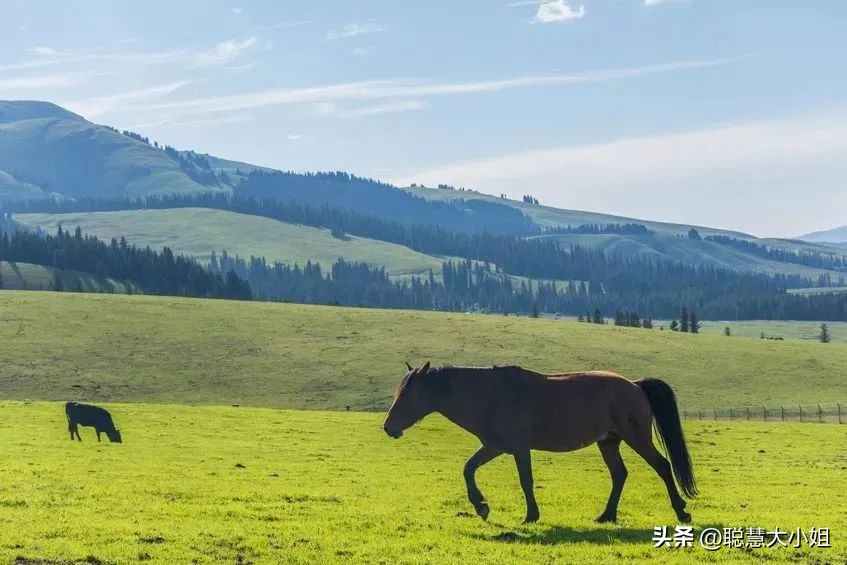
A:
(46, 149)
(49, 152)
(836, 236)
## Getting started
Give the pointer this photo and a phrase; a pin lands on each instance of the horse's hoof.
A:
(604, 519)
(531, 519)
(684, 517)
(482, 510)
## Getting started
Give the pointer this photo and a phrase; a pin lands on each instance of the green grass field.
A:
(158, 349)
(199, 231)
(26, 276)
(322, 487)
(786, 329)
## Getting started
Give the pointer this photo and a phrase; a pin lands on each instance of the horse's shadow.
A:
(598, 535)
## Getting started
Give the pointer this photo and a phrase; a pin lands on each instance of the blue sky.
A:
(728, 113)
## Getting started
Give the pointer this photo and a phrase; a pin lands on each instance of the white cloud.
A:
(353, 29)
(386, 89)
(221, 54)
(284, 25)
(238, 11)
(389, 108)
(294, 136)
(92, 107)
(42, 81)
(557, 11)
(45, 51)
(658, 2)
(224, 52)
(737, 176)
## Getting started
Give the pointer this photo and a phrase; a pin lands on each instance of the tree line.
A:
(143, 270)
(588, 279)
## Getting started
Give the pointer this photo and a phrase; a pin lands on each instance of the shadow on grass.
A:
(599, 535)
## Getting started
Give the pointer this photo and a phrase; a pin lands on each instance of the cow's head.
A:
(115, 436)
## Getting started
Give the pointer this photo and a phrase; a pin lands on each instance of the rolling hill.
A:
(835, 236)
(48, 152)
(26, 276)
(44, 146)
(199, 231)
(135, 348)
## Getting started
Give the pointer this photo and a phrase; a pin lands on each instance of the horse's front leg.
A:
(523, 460)
(482, 456)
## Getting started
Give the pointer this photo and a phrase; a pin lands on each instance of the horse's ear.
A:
(425, 368)
(409, 367)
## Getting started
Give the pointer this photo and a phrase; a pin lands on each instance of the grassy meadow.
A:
(26, 276)
(786, 329)
(241, 485)
(199, 231)
(120, 348)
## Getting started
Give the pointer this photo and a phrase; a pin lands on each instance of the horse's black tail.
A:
(669, 431)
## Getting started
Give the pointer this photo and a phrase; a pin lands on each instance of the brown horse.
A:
(514, 410)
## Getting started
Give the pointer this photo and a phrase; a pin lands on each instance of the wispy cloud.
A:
(401, 89)
(389, 108)
(353, 29)
(34, 82)
(92, 107)
(741, 173)
(237, 11)
(224, 52)
(221, 54)
(284, 25)
(658, 2)
(294, 136)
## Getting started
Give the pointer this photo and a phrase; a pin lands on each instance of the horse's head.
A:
(412, 401)
(115, 436)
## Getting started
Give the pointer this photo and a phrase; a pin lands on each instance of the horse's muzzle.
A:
(396, 434)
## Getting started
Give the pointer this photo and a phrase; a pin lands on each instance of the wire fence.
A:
(826, 413)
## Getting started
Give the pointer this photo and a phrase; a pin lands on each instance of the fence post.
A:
(765, 413)
(730, 415)
(748, 413)
(782, 412)
(699, 414)
(839, 413)
(820, 415)
(801, 411)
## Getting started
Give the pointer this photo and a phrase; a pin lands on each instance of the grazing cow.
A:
(94, 416)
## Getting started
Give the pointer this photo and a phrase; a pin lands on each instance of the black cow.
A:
(88, 415)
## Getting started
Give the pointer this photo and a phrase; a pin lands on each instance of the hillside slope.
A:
(835, 235)
(170, 350)
(199, 231)
(26, 276)
(44, 145)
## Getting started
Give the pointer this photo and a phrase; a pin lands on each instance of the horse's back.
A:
(578, 408)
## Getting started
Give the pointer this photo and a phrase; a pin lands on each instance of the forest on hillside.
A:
(496, 273)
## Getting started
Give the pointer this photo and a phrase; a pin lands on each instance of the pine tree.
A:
(57, 285)
(674, 326)
(824, 336)
(683, 321)
(694, 323)
(727, 332)
(598, 317)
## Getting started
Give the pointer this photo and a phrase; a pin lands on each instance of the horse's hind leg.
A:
(523, 460)
(610, 449)
(642, 443)
(482, 456)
